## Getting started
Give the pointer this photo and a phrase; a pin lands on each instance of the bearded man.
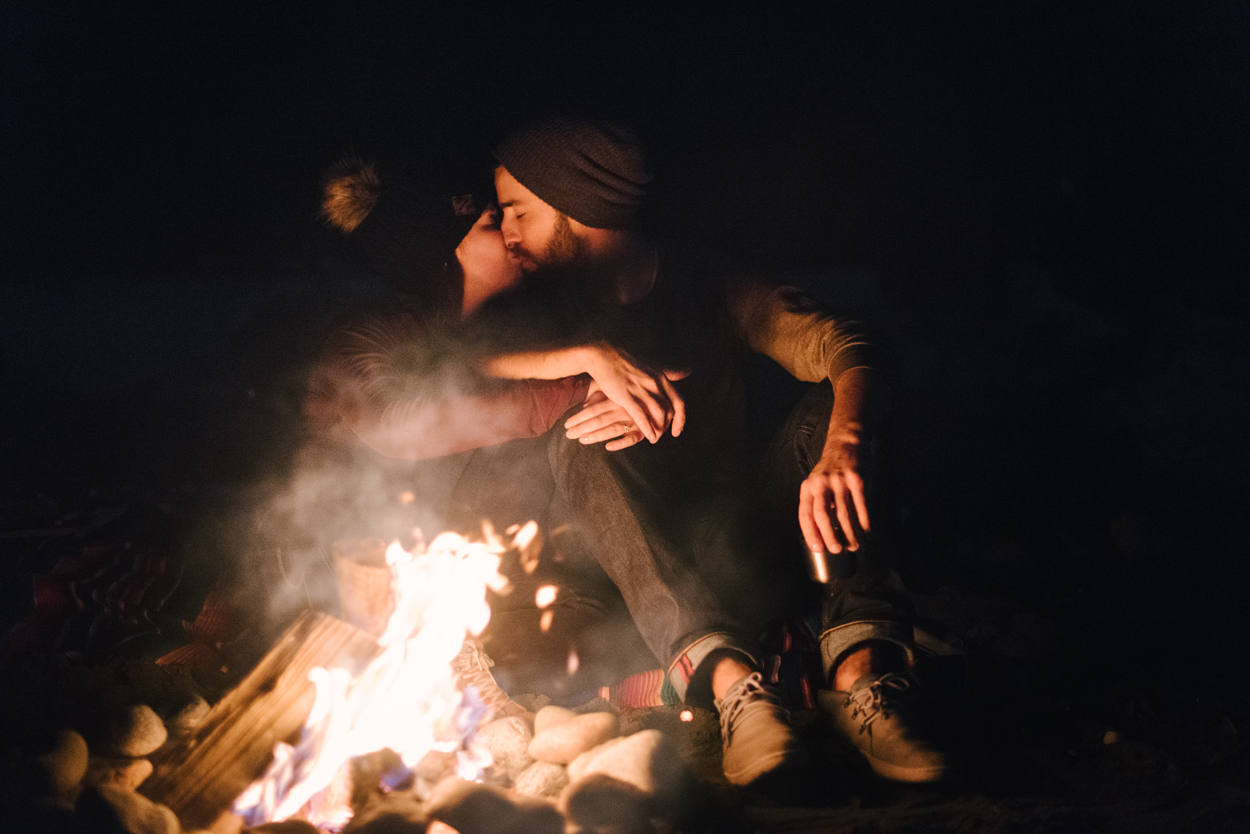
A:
(654, 513)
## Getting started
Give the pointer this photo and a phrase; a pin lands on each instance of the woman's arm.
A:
(404, 394)
(427, 427)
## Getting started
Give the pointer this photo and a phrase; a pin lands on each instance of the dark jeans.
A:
(686, 554)
(868, 604)
(661, 536)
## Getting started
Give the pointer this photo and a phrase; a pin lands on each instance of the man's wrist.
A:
(590, 358)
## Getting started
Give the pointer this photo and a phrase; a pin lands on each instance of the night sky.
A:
(1044, 204)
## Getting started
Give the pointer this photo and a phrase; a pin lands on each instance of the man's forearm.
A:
(550, 364)
(859, 396)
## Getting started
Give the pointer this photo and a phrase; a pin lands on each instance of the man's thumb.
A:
(673, 376)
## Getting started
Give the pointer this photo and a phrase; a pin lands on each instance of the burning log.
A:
(200, 776)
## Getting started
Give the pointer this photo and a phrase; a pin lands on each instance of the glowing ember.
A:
(407, 700)
(544, 622)
(545, 596)
(530, 545)
(687, 715)
(407, 498)
(574, 662)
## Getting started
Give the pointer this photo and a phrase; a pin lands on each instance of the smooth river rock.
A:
(550, 716)
(562, 742)
(623, 784)
(184, 721)
(644, 760)
(138, 814)
(602, 804)
(473, 808)
(65, 765)
(127, 774)
(136, 732)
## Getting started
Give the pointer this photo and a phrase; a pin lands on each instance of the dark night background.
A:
(1044, 206)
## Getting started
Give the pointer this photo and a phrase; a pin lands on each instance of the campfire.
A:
(406, 700)
(384, 718)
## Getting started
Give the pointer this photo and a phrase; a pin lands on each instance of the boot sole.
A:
(901, 773)
(780, 763)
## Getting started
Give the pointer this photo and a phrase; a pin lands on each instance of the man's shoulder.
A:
(699, 268)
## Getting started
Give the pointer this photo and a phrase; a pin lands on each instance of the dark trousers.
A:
(700, 564)
(664, 538)
(868, 601)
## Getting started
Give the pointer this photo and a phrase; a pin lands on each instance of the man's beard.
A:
(563, 250)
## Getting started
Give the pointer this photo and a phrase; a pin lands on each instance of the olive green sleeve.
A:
(797, 332)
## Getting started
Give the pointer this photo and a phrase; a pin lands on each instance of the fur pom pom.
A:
(349, 192)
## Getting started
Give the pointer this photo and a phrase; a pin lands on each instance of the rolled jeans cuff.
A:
(837, 641)
(687, 663)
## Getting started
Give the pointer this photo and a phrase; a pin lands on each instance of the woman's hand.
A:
(601, 419)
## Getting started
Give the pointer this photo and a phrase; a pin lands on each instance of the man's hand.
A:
(835, 483)
(646, 395)
(601, 419)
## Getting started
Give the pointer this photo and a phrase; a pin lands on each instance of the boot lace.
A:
(873, 701)
(473, 667)
(750, 690)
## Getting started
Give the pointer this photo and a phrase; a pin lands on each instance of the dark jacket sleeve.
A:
(406, 390)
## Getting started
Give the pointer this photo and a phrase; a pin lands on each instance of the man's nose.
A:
(511, 235)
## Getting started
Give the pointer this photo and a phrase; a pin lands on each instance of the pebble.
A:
(541, 779)
(65, 765)
(127, 774)
(601, 803)
(473, 808)
(399, 812)
(435, 766)
(137, 732)
(508, 740)
(644, 760)
(138, 814)
(550, 716)
(287, 827)
(184, 721)
(564, 741)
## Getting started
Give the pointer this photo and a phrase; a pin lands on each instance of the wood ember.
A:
(199, 776)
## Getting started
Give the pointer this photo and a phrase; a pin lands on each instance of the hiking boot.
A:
(473, 668)
(755, 732)
(876, 719)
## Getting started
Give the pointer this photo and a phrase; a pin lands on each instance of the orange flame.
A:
(408, 699)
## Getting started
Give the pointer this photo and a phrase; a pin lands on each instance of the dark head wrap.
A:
(592, 171)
